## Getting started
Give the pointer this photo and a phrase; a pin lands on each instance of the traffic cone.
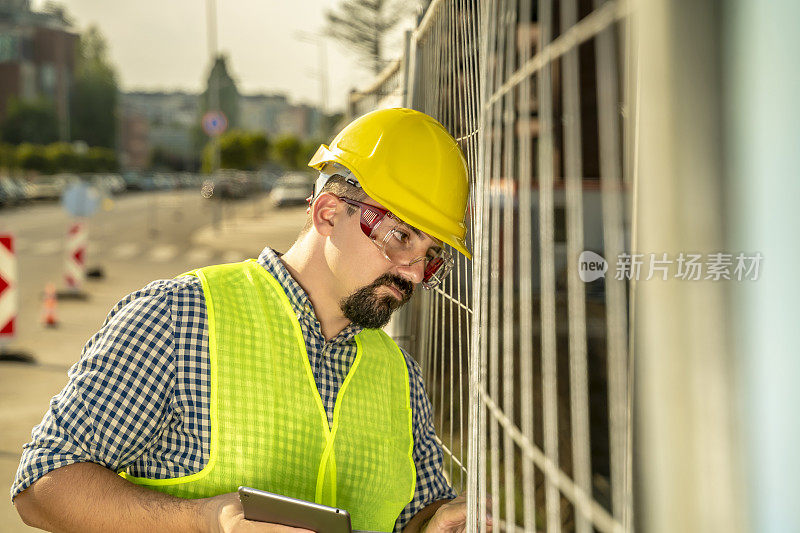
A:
(49, 304)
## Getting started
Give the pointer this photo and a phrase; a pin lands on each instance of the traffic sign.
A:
(215, 123)
(8, 286)
(80, 199)
(75, 267)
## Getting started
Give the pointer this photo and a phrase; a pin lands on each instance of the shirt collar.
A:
(301, 304)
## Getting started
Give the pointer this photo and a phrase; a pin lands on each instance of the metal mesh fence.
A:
(527, 366)
(386, 90)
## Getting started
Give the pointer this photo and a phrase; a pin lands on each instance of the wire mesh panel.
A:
(525, 357)
(445, 85)
(386, 90)
(553, 343)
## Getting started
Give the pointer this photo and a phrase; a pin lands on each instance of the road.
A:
(151, 231)
(143, 237)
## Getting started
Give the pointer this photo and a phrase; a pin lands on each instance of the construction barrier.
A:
(8, 287)
(75, 264)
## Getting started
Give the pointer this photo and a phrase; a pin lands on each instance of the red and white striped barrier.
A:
(8, 287)
(75, 267)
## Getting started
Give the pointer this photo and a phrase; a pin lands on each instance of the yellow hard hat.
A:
(408, 162)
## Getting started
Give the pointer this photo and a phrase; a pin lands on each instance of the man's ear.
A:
(323, 213)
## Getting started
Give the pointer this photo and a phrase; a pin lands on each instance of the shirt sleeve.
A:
(117, 395)
(431, 483)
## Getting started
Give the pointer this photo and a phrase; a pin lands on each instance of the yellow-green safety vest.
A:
(269, 428)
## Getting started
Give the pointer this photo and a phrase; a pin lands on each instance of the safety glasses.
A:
(398, 242)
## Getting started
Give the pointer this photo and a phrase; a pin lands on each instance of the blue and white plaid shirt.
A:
(138, 398)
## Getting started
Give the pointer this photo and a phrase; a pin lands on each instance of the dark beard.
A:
(366, 309)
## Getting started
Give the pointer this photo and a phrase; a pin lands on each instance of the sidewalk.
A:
(251, 228)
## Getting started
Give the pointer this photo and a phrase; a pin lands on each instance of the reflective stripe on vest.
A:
(269, 428)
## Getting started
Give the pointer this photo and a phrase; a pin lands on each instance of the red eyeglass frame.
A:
(371, 216)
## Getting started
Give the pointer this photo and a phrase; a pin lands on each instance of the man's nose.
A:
(413, 273)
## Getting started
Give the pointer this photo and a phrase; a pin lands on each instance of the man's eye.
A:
(401, 236)
(433, 253)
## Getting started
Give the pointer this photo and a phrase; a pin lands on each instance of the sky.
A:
(163, 45)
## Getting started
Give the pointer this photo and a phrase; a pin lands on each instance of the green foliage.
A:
(62, 157)
(8, 156)
(207, 165)
(233, 151)
(257, 147)
(95, 94)
(100, 159)
(30, 122)
(308, 151)
(289, 152)
(239, 150)
(33, 157)
(292, 153)
(57, 157)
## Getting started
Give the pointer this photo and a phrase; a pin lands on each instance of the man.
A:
(270, 373)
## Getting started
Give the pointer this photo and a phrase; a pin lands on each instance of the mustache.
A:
(405, 287)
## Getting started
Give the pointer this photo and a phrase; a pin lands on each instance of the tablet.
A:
(264, 506)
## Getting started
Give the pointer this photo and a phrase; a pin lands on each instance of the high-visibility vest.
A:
(269, 428)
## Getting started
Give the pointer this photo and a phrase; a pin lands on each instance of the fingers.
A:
(452, 516)
(276, 528)
(251, 526)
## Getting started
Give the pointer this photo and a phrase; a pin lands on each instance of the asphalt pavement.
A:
(141, 237)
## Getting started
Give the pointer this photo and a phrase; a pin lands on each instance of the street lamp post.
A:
(213, 100)
(213, 87)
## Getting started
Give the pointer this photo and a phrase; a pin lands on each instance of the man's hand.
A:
(224, 514)
(452, 517)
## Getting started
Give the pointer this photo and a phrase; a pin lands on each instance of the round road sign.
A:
(80, 199)
(214, 123)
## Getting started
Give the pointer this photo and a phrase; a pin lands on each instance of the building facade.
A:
(37, 58)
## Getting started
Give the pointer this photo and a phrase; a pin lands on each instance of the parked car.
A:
(6, 194)
(104, 183)
(12, 191)
(291, 189)
(227, 184)
(117, 183)
(50, 187)
(132, 180)
(164, 182)
(187, 180)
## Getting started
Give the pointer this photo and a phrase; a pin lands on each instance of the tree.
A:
(8, 156)
(32, 157)
(308, 149)
(95, 93)
(257, 146)
(289, 152)
(239, 150)
(361, 25)
(62, 157)
(233, 151)
(32, 121)
(98, 159)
